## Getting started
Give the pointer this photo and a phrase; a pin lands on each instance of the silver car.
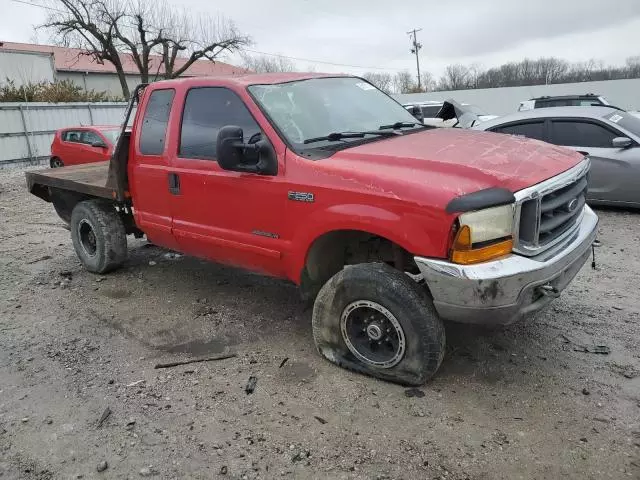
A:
(609, 136)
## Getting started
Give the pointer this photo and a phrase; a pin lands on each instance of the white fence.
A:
(502, 101)
(26, 129)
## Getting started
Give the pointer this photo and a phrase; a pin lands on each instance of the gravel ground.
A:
(529, 401)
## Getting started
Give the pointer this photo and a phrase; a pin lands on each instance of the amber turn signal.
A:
(463, 252)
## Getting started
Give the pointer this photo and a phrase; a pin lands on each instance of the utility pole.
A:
(415, 48)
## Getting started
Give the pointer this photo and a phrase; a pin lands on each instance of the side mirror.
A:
(98, 144)
(622, 142)
(235, 155)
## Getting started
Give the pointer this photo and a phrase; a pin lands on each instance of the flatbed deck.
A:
(89, 178)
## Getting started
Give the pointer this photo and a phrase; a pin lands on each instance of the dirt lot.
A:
(529, 401)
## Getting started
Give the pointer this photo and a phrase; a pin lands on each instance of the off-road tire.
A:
(109, 235)
(407, 301)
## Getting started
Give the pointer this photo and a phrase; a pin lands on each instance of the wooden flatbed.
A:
(90, 179)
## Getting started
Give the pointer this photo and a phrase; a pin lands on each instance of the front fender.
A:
(418, 233)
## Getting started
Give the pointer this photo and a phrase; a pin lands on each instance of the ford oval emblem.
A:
(571, 206)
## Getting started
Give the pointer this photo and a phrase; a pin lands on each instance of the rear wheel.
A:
(374, 319)
(98, 235)
(56, 162)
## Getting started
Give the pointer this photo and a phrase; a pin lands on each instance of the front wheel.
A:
(374, 319)
(56, 162)
(98, 235)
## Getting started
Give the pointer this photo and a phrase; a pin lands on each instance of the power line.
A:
(38, 5)
(322, 61)
(300, 59)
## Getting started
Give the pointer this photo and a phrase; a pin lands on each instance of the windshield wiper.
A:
(398, 125)
(335, 136)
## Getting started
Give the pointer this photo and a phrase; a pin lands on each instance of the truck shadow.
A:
(184, 305)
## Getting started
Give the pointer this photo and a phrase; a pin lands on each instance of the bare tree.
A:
(456, 77)
(267, 64)
(108, 29)
(384, 81)
(403, 82)
(429, 83)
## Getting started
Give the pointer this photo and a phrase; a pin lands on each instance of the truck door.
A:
(149, 169)
(229, 217)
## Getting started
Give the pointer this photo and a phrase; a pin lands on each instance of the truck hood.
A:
(451, 162)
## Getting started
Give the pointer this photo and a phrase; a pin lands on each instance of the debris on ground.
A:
(39, 259)
(251, 385)
(320, 419)
(413, 392)
(102, 466)
(196, 360)
(284, 360)
(104, 416)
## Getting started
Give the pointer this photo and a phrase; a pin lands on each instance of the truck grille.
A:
(550, 211)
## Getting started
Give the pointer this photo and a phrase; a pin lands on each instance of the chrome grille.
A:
(550, 211)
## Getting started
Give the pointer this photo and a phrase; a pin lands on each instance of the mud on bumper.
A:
(502, 291)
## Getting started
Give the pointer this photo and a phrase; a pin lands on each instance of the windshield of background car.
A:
(111, 135)
(625, 120)
(313, 108)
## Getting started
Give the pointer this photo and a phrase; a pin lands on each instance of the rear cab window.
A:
(154, 122)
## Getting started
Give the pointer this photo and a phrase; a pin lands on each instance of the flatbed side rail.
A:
(117, 179)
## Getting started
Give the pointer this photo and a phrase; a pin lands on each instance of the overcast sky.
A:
(372, 33)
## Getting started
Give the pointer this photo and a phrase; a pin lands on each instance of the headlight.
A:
(483, 235)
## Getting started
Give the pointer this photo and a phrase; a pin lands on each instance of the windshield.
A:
(111, 135)
(309, 109)
(625, 120)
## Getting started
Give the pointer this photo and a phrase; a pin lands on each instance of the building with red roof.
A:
(24, 63)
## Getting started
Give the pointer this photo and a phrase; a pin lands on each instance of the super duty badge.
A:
(301, 197)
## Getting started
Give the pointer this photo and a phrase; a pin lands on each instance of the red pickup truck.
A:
(390, 226)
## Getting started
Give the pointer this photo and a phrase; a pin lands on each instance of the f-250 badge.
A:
(301, 197)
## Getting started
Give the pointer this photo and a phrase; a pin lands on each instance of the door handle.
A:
(174, 184)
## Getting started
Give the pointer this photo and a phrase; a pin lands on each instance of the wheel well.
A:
(52, 159)
(330, 252)
(66, 201)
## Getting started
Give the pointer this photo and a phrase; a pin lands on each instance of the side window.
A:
(581, 134)
(206, 111)
(71, 136)
(89, 137)
(154, 122)
(529, 130)
(431, 111)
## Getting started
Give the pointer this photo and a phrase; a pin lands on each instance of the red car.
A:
(76, 145)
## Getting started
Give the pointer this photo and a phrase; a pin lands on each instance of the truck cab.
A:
(388, 226)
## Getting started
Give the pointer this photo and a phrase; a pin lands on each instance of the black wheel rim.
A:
(373, 334)
(87, 238)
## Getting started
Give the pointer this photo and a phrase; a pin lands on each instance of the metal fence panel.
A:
(26, 129)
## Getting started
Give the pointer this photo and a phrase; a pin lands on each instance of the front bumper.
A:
(502, 291)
